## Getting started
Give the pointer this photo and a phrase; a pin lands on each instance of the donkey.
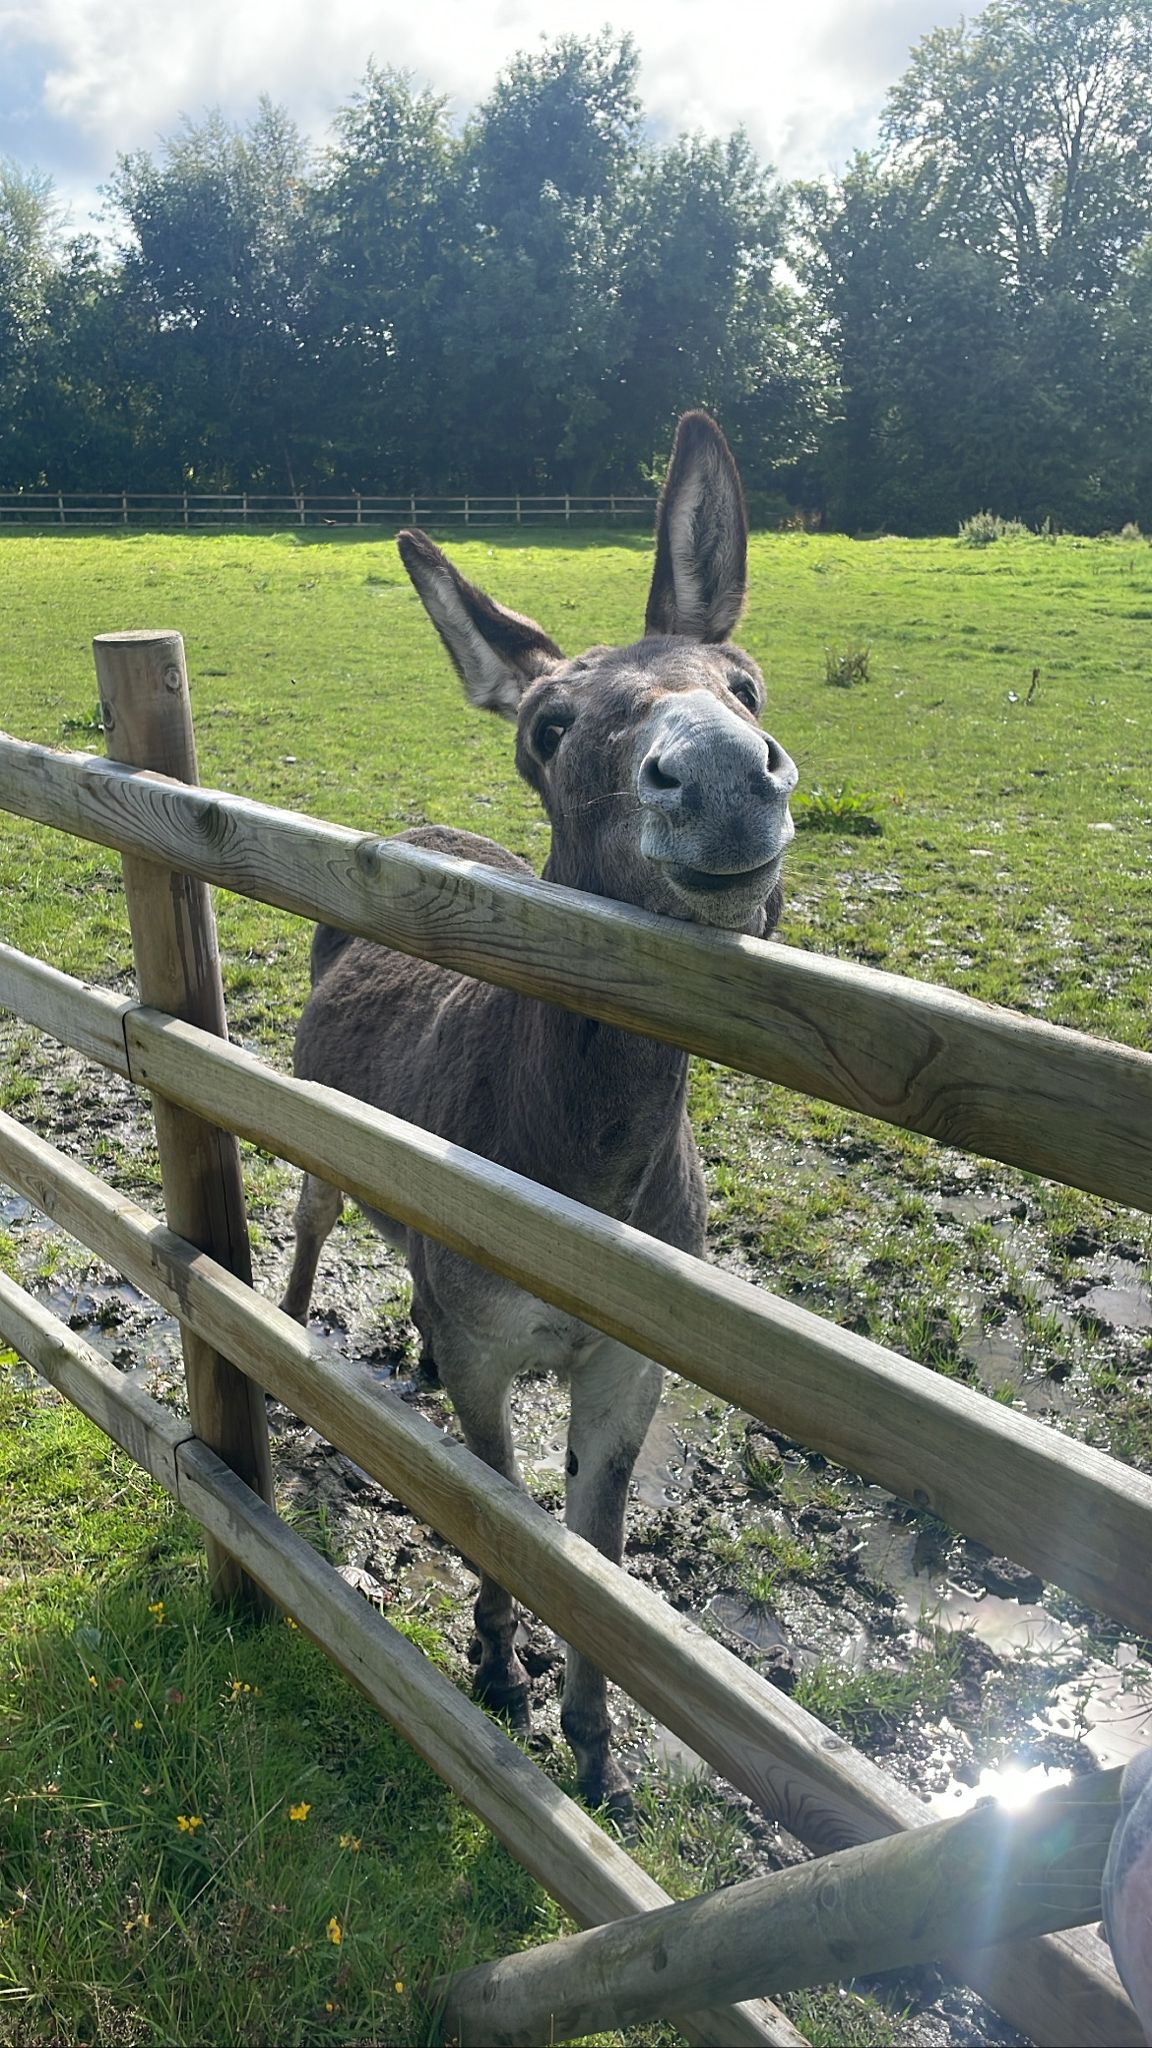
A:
(663, 791)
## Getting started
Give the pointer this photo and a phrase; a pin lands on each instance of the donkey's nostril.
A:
(654, 777)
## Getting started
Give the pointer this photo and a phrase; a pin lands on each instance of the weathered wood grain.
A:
(914, 1898)
(88, 1019)
(590, 1875)
(1078, 1517)
(148, 724)
(767, 1746)
(1068, 1511)
(1052, 1101)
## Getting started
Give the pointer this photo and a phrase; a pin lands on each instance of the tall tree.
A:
(1037, 120)
(709, 319)
(546, 187)
(28, 225)
(223, 250)
(389, 240)
(965, 274)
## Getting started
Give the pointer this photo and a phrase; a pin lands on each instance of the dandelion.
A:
(300, 1811)
(188, 1823)
(335, 1933)
(137, 1726)
(350, 1842)
(398, 1985)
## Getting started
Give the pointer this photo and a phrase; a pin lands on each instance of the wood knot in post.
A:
(368, 857)
(173, 680)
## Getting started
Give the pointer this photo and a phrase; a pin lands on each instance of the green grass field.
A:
(978, 812)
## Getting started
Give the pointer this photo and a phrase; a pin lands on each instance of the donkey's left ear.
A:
(701, 573)
(496, 653)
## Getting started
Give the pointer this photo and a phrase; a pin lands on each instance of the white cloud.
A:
(806, 81)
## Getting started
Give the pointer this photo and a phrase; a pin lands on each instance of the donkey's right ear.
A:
(701, 571)
(496, 653)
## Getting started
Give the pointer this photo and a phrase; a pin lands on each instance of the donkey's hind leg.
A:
(615, 1393)
(317, 1213)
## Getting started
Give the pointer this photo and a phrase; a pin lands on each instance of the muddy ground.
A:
(947, 1665)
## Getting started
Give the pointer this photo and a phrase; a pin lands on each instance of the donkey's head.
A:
(661, 785)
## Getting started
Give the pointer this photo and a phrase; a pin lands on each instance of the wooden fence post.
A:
(148, 724)
(931, 1895)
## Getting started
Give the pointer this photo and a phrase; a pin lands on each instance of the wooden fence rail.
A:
(909, 1900)
(1055, 1102)
(1068, 1511)
(574, 1860)
(387, 511)
(1060, 1988)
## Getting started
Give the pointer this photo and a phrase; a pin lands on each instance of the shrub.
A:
(847, 666)
(1130, 531)
(985, 527)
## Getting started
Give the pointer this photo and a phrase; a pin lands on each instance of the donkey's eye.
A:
(743, 688)
(547, 734)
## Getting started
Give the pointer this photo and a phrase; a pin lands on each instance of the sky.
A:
(83, 80)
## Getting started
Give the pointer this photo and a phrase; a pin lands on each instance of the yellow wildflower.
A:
(156, 1610)
(335, 1934)
(289, 1623)
(93, 1681)
(349, 1841)
(300, 1811)
(188, 1823)
(399, 1984)
(137, 1725)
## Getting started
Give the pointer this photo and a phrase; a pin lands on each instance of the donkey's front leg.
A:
(614, 1397)
(479, 1387)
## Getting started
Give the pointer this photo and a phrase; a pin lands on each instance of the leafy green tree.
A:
(965, 274)
(1036, 120)
(28, 224)
(710, 319)
(223, 254)
(388, 237)
(545, 197)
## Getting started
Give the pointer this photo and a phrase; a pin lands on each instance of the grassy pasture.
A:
(965, 824)
(318, 684)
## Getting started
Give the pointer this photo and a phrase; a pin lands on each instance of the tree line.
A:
(526, 301)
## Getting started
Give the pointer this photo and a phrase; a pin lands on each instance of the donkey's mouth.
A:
(701, 882)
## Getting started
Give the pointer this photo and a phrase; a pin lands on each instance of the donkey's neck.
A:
(598, 1111)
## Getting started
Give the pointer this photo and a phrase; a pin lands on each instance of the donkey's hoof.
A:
(509, 1702)
(607, 1788)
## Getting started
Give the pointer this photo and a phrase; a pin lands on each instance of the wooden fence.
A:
(1053, 1101)
(201, 509)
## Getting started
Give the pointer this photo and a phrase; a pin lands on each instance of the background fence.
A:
(1020, 1090)
(309, 508)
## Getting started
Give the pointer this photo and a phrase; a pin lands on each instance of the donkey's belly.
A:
(532, 1336)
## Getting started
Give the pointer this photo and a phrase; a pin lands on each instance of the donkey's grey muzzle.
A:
(713, 792)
